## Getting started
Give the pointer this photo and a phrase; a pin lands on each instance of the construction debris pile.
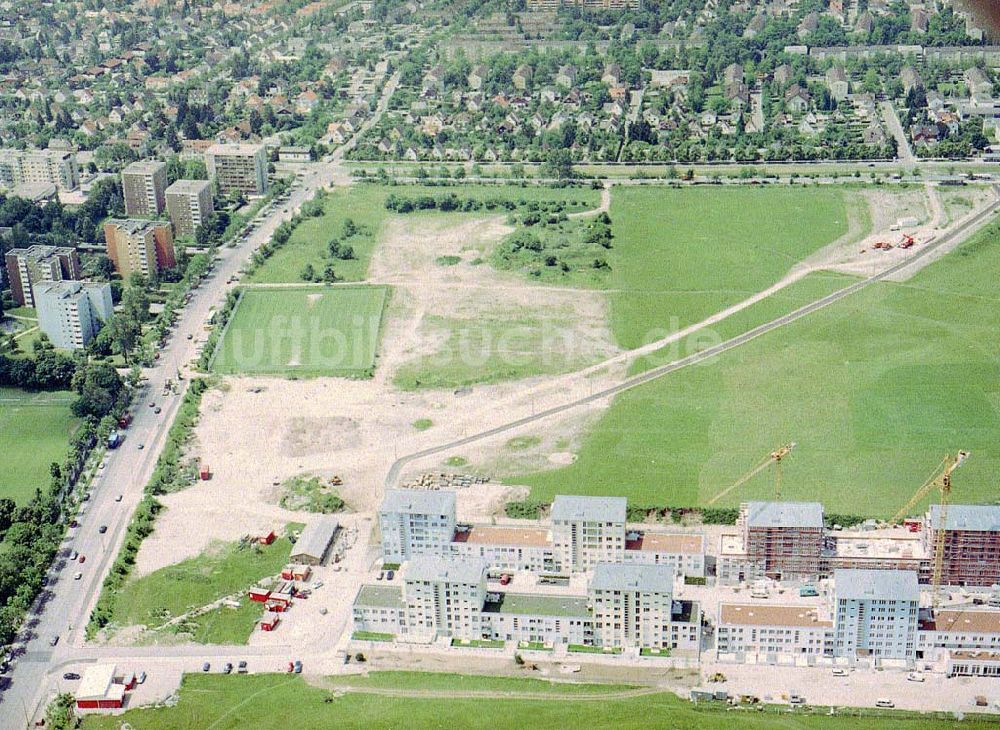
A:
(445, 481)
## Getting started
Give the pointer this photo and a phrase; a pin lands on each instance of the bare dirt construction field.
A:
(258, 431)
(456, 321)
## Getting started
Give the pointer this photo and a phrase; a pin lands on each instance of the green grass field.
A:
(365, 205)
(681, 255)
(874, 389)
(226, 569)
(304, 332)
(34, 431)
(248, 702)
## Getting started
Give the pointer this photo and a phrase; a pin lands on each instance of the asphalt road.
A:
(65, 606)
(965, 229)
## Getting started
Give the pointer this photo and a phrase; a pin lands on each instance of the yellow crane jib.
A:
(774, 457)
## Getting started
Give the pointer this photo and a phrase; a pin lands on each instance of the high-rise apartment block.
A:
(72, 312)
(55, 167)
(238, 168)
(189, 203)
(416, 522)
(139, 246)
(27, 267)
(875, 613)
(589, 530)
(144, 184)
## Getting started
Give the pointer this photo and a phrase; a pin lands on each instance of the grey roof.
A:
(144, 167)
(419, 501)
(187, 186)
(376, 596)
(645, 578)
(971, 517)
(591, 509)
(450, 570)
(537, 604)
(316, 538)
(784, 514)
(898, 585)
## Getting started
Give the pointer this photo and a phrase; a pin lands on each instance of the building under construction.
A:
(788, 541)
(971, 555)
(781, 540)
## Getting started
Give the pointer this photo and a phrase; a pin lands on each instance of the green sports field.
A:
(34, 431)
(875, 390)
(248, 702)
(680, 255)
(304, 331)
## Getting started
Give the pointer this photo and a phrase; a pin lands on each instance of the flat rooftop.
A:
(589, 509)
(432, 568)
(523, 536)
(873, 546)
(144, 167)
(419, 501)
(751, 614)
(731, 544)
(535, 604)
(979, 620)
(867, 585)
(970, 517)
(660, 542)
(375, 596)
(187, 186)
(640, 578)
(784, 514)
(983, 656)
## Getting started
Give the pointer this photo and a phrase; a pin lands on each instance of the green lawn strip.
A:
(477, 643)
(225, 569)
(875, 389)
(371, 636)
(365, 206)
(247, 702)
(304, 331)
(584, 649)
(680, 255)
(34, 432)
(21, 312)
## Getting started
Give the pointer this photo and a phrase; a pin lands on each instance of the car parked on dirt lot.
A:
(71, 676)
(242, 668)
(206, 666)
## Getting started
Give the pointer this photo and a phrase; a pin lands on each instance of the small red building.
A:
(261, 595)
(98, 689)
(269, 622)
(296, 572)
(276, 606)
(268, 538)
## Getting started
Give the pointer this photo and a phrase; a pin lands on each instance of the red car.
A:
(83, 558)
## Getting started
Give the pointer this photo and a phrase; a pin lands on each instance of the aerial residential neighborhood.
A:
(425, 363)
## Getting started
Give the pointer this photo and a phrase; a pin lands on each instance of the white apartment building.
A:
(416, 522)
(447, 597)
(633, 607)
(588, 530)
(959, 628)
(238, 168)
(875, 613)
(54, 167)
(683, 552)
(72, 312)
(444, 597)
(512, 549)
(769, 631)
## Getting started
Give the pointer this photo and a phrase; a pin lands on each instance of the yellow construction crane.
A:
(775, 458)
(941, 481)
